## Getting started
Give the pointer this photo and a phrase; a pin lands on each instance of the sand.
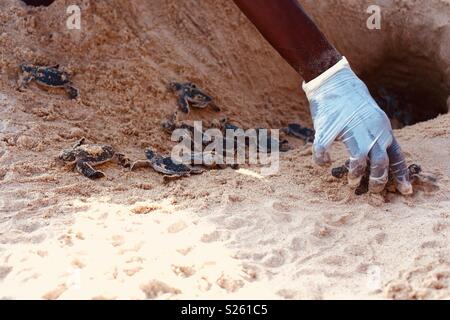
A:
(226, 233)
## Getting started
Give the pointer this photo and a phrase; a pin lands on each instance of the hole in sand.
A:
(405, 64)
(37, 3)
(409, 89)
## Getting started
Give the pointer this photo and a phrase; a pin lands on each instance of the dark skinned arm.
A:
(293, 34)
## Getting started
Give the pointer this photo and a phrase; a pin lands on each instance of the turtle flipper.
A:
(122, 160)
(72, 91)
(24, 81)
(303, 133)
(88, 171)
(183, 103)
(196, 170)
(284, 146)
(140, 164)
(170, 123)
(79, 143)
(180, 171)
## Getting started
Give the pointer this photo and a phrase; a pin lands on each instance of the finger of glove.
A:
(379, 168)
(399, 168)
(357, 169)
(357, 162)
(320, 154)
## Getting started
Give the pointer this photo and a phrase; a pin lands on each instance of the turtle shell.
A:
(94, 153)
(51, 77)
(174, 167)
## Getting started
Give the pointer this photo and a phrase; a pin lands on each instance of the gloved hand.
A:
(343, 109)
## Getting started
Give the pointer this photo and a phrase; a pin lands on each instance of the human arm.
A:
(341, 105)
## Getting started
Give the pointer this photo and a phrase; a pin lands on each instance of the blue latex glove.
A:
(343, 109)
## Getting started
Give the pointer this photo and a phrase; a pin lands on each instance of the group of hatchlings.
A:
(84, 157)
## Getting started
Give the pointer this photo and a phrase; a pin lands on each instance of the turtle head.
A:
(26, 68)
(70, 155)
(150, 154)
(414, 169)
(67, 155)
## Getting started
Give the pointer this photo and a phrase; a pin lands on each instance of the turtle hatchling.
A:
(165, 165)
(416, 175)
(51, 77)
(296, 130)
(85, 156)
(189, 95)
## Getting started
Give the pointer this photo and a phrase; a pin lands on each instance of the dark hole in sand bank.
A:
(410, 89)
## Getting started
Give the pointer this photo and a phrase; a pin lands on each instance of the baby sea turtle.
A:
(49, 76)
(416, 176)
(226, 127)
(283, 145)
(265, 141)
(296, 130)
(191, 96)
(85, 156)
(165, 165)
(187, 131)
(171, 123)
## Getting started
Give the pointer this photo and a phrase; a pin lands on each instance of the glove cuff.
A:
(310, 86)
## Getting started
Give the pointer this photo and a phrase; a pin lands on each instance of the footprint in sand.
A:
(424, 282)
(440, 227)
(215, 236)
(183, 271)
(184, 251)
(117, 240)
(334, 260)
(133, 265)
(282, 206)
(298, 244)
(210, 237)
(275, 259)
(356, 250)
(28, 227)
(203, 284)
(430, 244)
(288, 294)
(132, 270)
(338, 221)
(229, 284)
(177, 227)
(281, 218)
(380, 237)
(235, 223)
(155, 289)
(55, 293)
(322, 231)
(66, 240)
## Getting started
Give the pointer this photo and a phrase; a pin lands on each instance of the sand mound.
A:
(296, 234)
